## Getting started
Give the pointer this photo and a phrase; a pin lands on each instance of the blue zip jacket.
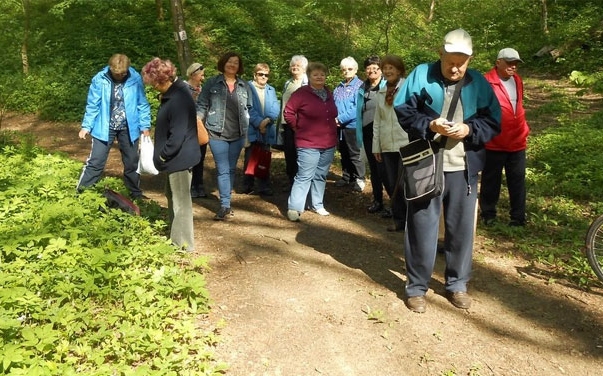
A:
(211, 104)
(98, 106)
(272, 108)
(346, 101)
(422, 98)
(359, 110)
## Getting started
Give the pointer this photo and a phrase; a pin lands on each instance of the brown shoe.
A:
(416, 303)
(459, 299)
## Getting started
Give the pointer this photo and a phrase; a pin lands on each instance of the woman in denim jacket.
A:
(223, 107)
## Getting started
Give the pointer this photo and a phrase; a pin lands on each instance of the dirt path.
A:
(324, 296)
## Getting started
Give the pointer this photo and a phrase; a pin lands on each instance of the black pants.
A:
(514, 164)
(197, 180)
(376, 168)
(393, 170)
(351, 159)
(290, 152)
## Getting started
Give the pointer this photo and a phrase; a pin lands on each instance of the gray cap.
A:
(509, 54)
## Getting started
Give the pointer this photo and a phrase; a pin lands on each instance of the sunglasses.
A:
(261, 74)
(197, 70)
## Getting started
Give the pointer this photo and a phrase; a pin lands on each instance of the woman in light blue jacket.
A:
(264, 114)
(117, 109)
(223, 107)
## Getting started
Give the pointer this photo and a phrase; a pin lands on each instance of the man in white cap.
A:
(508, 149)
(423, 108)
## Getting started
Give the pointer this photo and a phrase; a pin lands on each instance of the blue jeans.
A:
(226, 154)
(312, 169)
(95, 164)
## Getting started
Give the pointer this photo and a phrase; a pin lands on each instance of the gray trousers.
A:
(180, 207)
(421, 239)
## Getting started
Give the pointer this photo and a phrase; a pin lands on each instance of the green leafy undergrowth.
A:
(91, 292)
(564, 182)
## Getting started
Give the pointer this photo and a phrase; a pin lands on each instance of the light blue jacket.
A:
(98, 107)
(346, 101)
(211, 104)
(272, 109)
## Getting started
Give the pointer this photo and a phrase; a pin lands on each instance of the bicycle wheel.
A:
(594, 246)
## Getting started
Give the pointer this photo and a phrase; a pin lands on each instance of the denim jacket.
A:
(211, 104)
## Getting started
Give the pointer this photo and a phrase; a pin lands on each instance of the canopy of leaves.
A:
(67, 41)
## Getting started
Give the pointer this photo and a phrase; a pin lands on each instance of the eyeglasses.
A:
(262, 74)
(347, 69)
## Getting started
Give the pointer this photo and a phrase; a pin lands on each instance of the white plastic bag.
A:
(145, 162)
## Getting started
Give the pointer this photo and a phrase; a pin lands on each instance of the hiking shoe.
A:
(293, 215)
(322, 211)
(416, 303)
(375, 207)
(223, 213)
(198, 192)
(387, 213)
(359, 185)
(341, 183)
(488, 222)
(459, 299)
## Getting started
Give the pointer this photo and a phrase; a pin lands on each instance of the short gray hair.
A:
(301, 59)
(349, 62)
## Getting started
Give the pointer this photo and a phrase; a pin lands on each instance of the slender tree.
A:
(25, 41)
(184, 50)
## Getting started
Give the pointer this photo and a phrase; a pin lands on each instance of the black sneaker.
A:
(375, 207)
(198, 192)
(223, 213)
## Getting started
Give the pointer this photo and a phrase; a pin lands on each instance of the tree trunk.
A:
(184, 50)
(159, 7)
(545, 17)
(25, 42)
(431, 11)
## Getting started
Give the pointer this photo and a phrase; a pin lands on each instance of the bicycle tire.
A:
(594, 246)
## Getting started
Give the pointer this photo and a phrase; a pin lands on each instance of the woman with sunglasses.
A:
(264, 113)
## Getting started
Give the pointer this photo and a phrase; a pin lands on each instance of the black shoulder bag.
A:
(423, 162)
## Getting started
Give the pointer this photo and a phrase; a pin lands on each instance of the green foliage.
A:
(564, 185)
(62, 58)
(89, 291)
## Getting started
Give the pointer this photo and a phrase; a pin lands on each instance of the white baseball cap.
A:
(458, 41)
(509, 54)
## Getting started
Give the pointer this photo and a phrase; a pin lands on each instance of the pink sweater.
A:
(312, 119)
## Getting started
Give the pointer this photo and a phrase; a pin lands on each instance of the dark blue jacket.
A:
(422, 98)
(176, 143)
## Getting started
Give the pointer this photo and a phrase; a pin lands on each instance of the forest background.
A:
(50, 49)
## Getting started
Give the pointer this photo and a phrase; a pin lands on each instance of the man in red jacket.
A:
(508, 149)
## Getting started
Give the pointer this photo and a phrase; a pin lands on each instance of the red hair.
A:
(158, 72)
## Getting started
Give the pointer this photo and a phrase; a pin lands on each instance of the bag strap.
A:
(453, 102)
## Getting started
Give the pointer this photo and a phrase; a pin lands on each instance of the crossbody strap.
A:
(452, 108)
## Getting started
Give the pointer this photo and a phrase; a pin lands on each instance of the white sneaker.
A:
(359, 185)
(322, 212)
(293, 215)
